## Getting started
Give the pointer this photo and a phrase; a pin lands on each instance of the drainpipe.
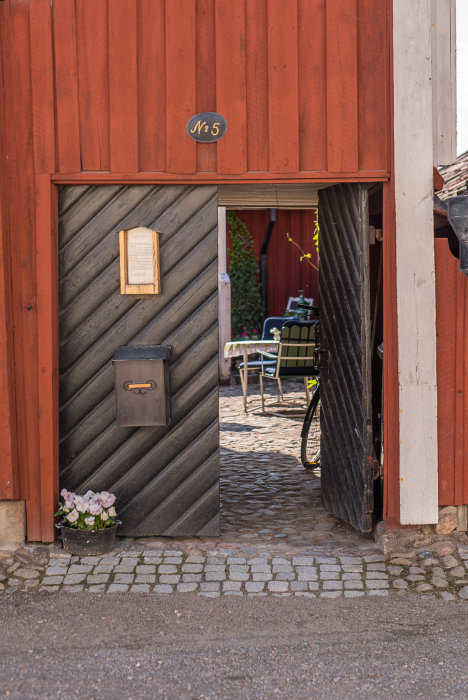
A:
(224, 299)
(458, 218)
(263, 260)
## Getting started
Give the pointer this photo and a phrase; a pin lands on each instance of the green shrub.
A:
(247, 308)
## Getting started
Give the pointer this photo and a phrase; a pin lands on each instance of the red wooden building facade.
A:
(100, 92)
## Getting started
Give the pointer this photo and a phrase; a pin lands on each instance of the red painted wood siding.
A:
(286, 273)
(452, 376)
(100, 91)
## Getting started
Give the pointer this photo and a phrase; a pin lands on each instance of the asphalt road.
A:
(186, 646)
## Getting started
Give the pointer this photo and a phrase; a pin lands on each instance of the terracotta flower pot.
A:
(88, 542)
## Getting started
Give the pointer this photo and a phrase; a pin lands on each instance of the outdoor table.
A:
(243, 348)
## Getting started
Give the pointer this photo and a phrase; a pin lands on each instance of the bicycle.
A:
(310, 456)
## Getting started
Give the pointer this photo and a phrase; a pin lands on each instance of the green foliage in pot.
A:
(247, 308)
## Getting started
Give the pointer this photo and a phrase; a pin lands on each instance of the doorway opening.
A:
(266, 494)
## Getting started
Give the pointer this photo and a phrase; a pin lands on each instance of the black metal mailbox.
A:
(141, 375)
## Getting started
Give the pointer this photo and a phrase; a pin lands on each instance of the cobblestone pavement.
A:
(138, 569)
(276, 538)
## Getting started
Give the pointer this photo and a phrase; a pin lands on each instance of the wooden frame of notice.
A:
(151, 263)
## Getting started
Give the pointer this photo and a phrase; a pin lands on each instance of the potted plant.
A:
(88, 523)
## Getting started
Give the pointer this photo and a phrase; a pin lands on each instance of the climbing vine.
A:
(247, 308)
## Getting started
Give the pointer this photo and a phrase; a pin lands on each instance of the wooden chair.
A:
(295, 356)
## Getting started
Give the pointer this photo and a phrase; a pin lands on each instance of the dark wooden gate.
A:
(346, 418)
(166, 478)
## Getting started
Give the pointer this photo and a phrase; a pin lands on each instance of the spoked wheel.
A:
(310, 434)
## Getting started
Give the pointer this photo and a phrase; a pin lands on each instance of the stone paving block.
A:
(281, 568)
(307, 561)
(329, 575)
(282, 560)
(351, 577)
(210, 594)
(463, 593)
(423, 587)
(235, 560)
(439, 582)
(239, 569)
(140, 588)
(380, 593)
(232, 585)
(215, 560)
(73, 589)
(353, 594)
(449, 562)
(209, 586)
(395, 570)
(191, 578)
(97, 588)
(103, 569)
(49, 589)
(238, 576)
(415, 577)
(254, 586)
(351, 560)
(416, 570)
(97, 578)
(129, 562)
(262, 577)
(192, 568)
(352, 568)
(124, 568)
(377, 584)
(117, 588)
(354, 585)
(194, 559)
(332, 585)
(326, 560)
(376, 574)
(162, 569)
(447, 596)
(215, 575)
(91, 561)
(283, 576)
(186, 587)
(31, 583)
(164, 588)
(146, 578)
(106, 560)
(374, 557)
(378, 567)
(215, 569)
(169, 578)
(123, 578)
(153, 560)
(172, 553)
(52, 580)
(173, 560)
(71, 579)
(56, 571)
(261, 568)
(298, 585)
(330, 594)
(79, 569)
(457, 571)
(330, 567)
(313, 585)
(278, 586)
(258, 560)
(147, 569)
(15, 582)
(400, 583)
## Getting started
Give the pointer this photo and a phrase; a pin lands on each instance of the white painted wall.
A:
(224, 297)
(444, 93)
(413, 135)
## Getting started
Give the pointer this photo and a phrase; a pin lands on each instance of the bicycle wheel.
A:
(310, 434)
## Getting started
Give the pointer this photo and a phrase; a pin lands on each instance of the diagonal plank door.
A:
(166, 478)
(345, 387)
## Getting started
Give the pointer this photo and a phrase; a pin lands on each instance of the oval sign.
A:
(206, 127)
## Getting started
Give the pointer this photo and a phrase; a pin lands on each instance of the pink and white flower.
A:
(73, 516)
(104, 516)
(95, 508)
(90, 520)
(80, 504)
(107, 499)
(112, 512)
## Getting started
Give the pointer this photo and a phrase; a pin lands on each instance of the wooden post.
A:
(224, 291)
(415, 276)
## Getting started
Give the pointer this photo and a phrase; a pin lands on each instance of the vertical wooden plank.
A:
(123, 96)
(342, 108)
(444, 107)
(23, 263)
(42, 86)
(372, 84)
(47, 365)
(460, 340)
(92, 39)
(9, 476)
(205, 76)
(180, 85)
(66, 87)
(312, 85)
(283, 100)
(446, 318)
(152, 85)
(464, 484)
(256, 38)
(230, 85)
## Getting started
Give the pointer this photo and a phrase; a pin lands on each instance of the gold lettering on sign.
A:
(198, 127)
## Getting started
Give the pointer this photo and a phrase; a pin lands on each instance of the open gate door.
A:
(346, 418)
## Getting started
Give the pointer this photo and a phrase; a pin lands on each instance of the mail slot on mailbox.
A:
(141, 374)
